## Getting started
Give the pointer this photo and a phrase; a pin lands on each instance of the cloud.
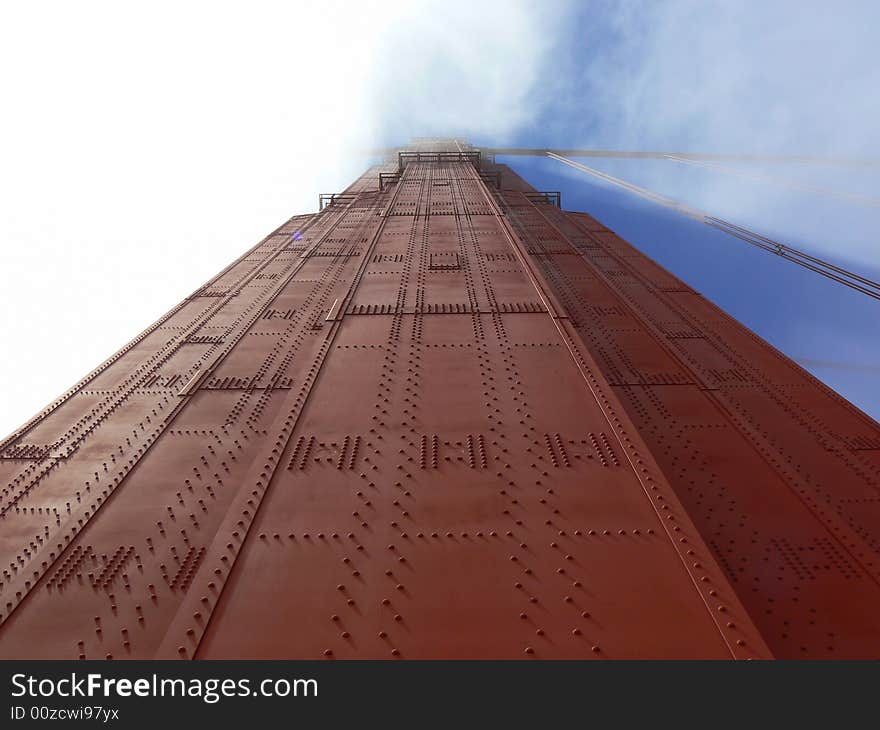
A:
(144, 149)
(771, 77)
(473, 69)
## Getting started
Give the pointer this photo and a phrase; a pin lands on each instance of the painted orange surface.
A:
(442, 419)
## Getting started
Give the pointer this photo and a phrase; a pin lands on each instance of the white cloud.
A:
(474, 68)
(769, 77)
(142, 150)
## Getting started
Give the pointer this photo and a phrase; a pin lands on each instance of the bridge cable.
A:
(825, 268)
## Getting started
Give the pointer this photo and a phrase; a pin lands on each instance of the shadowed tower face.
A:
(442, 418)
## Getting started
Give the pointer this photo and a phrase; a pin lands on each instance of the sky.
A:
(142, 149)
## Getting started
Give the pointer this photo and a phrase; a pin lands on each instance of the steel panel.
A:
(442, 420)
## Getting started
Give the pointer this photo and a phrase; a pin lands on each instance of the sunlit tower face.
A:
(443, 417)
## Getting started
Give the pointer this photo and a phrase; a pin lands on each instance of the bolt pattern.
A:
(406, 428)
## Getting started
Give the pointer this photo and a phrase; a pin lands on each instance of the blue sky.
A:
(144, 148)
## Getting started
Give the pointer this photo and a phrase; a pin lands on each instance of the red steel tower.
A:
(442, 418)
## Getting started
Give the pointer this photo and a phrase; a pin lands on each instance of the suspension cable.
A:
(831, 271)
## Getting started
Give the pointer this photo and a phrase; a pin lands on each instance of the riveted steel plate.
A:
(439, 420)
